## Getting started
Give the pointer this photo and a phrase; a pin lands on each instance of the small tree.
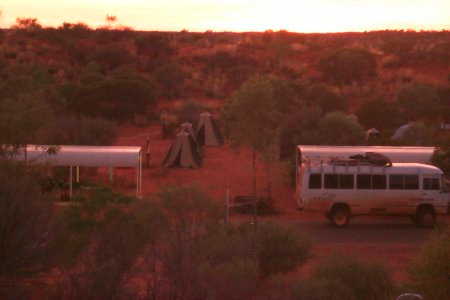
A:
(254, 116)
(337, 128)
(430, 271)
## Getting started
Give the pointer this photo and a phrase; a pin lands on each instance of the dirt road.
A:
(379, 230)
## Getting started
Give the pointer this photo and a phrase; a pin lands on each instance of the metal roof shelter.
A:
(86, 156)
(394, 153)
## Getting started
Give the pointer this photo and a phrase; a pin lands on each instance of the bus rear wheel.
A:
(340, 216)
(425, 217)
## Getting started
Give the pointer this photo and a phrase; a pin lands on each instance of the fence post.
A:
(227, 204)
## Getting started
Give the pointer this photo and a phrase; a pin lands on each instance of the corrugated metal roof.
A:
(84, 156)
(394, 153)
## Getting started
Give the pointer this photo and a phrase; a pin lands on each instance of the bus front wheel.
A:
(340, 216)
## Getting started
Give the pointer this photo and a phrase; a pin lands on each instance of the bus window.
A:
(346, 181)
(331, 181)
(315, 181)
(396, 182)
(378, 182)
(431, 184)
(411, 182)
(363, 182)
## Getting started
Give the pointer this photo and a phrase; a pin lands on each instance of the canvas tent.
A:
(401, 131)
(187, 127)
(183, 152)
(208, 132)
(371, 133)
(85, 156)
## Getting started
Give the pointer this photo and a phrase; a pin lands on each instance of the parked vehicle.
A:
(343, 189)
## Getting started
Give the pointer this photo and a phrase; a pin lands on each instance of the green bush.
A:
(430, 272)
(280, 249)
(26, 222)
(346, 278)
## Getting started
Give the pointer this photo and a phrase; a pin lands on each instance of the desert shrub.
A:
(348, 65)
(234, 280)
(112, 56)
(118, 237)
(346, 278)
(322, 96)
(429, 273)
(380, 114)
(280, 249)
(116, 99)
(170, 77)
(26, 222)
(419, 101)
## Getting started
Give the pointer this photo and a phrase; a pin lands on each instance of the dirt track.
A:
(379, 230)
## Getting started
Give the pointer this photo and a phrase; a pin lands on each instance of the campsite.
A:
(167, 165)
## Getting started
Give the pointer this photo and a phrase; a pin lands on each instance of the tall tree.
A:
(254, 116)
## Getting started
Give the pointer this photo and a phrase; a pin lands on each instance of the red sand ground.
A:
(222, 167)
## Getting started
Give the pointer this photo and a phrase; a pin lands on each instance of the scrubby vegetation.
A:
(387, 78)
(176, 242)
(75, 85)
(430, 271)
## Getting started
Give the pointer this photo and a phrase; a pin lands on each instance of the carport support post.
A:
(111, 175)
(70, 182)
(227, 204)
(139, 176)
(255, 204)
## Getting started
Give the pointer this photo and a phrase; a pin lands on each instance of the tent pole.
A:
(110, 171)
(140, 175)
(70, 182)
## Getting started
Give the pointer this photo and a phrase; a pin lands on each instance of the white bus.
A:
(345, 188)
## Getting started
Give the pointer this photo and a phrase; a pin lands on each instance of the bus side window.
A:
(396, 182)
(331, 181)
(379, 182)
(431, 184)
(315, 181)
(363, 181)
(411, 182)
(346, 181)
